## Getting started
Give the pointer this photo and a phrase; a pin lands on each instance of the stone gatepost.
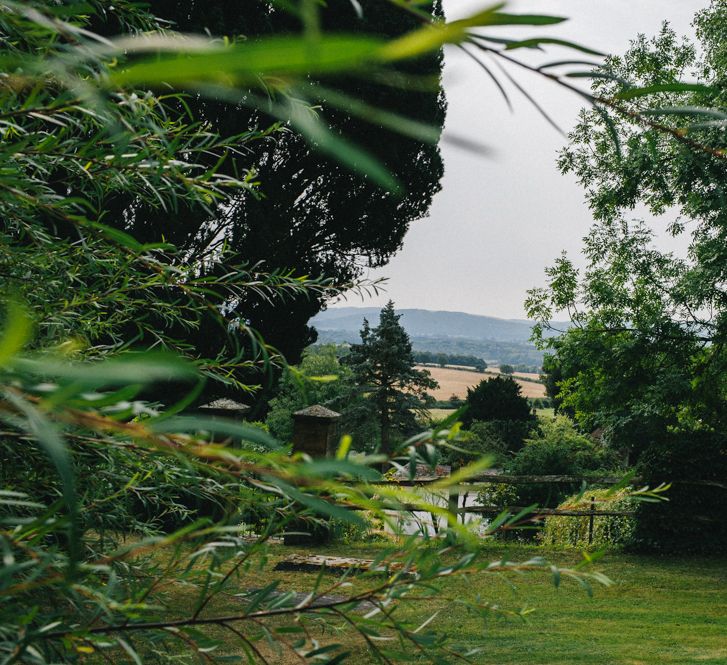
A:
(314, 433)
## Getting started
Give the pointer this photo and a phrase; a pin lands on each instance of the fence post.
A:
(590, 520)
(452, 507)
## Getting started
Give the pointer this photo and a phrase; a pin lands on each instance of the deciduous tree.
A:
(645, 360)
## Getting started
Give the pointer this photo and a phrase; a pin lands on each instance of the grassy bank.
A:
(658, 611)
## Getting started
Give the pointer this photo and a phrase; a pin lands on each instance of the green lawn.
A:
(659, 611)
(440, 414)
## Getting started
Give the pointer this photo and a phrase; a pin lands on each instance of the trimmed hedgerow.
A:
(608, 530)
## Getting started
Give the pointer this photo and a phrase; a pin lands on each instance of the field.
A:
(665, 611)
(525, 375)
(456, 382)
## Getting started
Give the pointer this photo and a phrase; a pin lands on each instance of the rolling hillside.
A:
(487, 337)
(425, 323)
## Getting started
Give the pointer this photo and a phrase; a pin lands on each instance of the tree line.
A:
(443, 359)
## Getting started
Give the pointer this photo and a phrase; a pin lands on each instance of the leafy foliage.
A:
(383, 367)
(558, 449)
(94, 471)
(645, 360)
(483, 439)
(306, 211)
(609, 531)
(497, 398)
(90, 286)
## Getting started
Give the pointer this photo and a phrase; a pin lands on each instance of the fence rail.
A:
(315, 434)
(506, 479)
(486, 479)
(536, 512)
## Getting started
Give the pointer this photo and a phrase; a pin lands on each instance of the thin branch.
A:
(608, 102)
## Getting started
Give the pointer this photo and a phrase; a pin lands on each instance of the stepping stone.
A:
(296, 598)
(312, 563)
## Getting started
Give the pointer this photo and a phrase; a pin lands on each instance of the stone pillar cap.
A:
(317, 412)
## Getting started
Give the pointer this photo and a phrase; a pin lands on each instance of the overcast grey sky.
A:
(500, 220)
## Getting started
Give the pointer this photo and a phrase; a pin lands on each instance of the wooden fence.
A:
(536, 514)
(314, 433)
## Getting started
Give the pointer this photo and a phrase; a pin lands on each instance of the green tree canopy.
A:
(497, 398)
(307, 212)
(383, 367)
(645, 359)
(646, 351)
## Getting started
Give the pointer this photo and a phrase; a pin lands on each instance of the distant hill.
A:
(492, 339)
(423, 322)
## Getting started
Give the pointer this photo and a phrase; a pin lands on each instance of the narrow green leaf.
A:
(502, 18)
(126, 369)
(633, 93)
(343, 447)
(560, 63)
(536, 42)
(177, 424)
(687, 111)
(347, 153)
(245, 62)
(120, 237)
(316, 504)
(50, 441)
(610, 128)
(16, 333)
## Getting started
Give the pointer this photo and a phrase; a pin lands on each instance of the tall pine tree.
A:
(383, 365)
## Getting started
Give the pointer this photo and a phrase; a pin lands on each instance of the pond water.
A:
(424, 523)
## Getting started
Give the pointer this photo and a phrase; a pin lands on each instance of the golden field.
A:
(456, 381)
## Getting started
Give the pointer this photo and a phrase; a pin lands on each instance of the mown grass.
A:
(545, 413)
(659, 610)
(437, 415)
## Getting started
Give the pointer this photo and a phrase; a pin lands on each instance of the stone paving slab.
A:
(314, 562)
(296, 598)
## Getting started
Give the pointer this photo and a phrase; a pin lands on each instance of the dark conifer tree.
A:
(383, 366)
(497, 398)
(310, 213)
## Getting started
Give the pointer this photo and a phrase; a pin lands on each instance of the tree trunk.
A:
(385, 432)
(385, 421)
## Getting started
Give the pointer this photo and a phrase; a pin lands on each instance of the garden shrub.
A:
(558, 449)
(498, 495)
(494, 438)
(371, 531)
(608, 530)
(479, 440)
